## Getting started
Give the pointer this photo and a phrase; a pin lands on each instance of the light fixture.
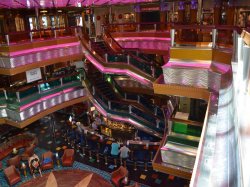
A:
(43, 11)
(59, 10)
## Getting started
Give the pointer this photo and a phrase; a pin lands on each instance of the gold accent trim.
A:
(191, 53)
(178, 90)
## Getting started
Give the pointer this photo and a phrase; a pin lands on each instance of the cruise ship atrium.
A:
(124, 93)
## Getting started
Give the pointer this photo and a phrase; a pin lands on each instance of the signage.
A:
(33, 75)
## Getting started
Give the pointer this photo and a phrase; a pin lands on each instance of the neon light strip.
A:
(142, 39)
(117, 71)
(45, 98)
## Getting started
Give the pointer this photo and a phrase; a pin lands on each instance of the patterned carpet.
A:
(39, 152)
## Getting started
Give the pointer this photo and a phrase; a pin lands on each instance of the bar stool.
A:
(151, 155)
(90, 154)
(97, 157)
(121, 161)
(135, 165)
(106, 159)
(125, 163)
(115, 162)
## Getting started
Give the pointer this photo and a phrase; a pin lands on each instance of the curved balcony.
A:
(32, 101)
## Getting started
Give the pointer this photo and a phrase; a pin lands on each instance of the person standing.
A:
(115, 149)
(124, 150)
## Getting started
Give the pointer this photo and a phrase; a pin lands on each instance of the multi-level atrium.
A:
(124, 93)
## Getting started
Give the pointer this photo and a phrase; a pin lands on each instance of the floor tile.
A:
(143, 177)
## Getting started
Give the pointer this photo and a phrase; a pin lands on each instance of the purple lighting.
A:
(63, 3)
(117, 71)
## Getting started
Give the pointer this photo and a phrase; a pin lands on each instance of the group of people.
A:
(116, 150)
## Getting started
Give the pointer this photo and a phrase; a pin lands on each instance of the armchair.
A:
(68, 157)
(47, 160)
(12, 175)
(118, 175)
(28, 152)
(15, 161)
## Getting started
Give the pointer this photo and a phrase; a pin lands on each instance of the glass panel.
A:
(28, 92)
(71, 78)
(49, 85)
(140, 65)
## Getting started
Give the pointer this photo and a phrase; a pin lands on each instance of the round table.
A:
(66, 178)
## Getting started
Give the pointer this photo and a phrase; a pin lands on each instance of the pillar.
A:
(217, 13)
(163, 20)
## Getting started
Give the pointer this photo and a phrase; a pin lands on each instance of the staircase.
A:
(115, 104)
(101, 48)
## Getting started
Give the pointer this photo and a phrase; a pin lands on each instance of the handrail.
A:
(137, 23)
(120, 91)
(121, 101)
(26, 87)
(30, 35)
(124, 50)
(101, 61)
(39, 30)
(125, 102)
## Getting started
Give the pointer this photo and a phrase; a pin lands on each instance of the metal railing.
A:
(12, 38)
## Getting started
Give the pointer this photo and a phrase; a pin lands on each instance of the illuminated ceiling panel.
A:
(63, 3)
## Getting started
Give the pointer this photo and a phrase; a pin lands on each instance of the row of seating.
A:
(12, 172)
(17, 142)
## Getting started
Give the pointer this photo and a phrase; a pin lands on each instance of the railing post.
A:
(157, 123)
(7, 39)
(138, 99)
(5, 94)
(31, 37)
(122, 28)
(93, 90)
(61, 81)
(109, 103)
(172, 35)
(130, 109)
(138, 28)
(55, 33)
(39, 89)
(235, 46)
(155, 110)
(106, 57)
(214, 36)
(128, 59)
(169, 126)
(153, 71)
(18, 96)
(125, 95)
(90, 44)
(75, 31)
(155, 27)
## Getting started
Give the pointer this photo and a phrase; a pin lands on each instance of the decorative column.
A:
(110, 15)
(193, 12)
(137, 10)
(181, 12)
(217, 13)
(163, 13)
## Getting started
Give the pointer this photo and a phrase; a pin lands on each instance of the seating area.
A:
(17, 142)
